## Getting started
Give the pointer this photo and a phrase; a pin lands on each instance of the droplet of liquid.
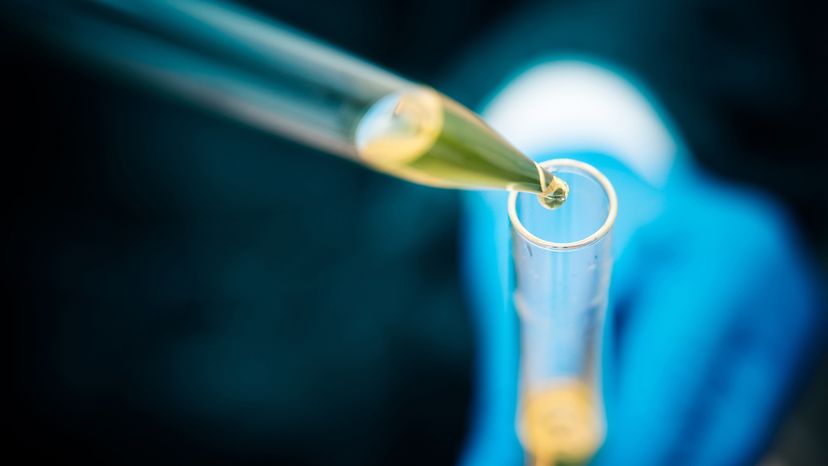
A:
(555, 193)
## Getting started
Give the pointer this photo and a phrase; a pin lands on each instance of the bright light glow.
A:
(570, 105)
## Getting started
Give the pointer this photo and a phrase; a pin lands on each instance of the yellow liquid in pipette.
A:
(425, 137)
(559, 425)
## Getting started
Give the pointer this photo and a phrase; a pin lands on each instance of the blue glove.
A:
(713, 314)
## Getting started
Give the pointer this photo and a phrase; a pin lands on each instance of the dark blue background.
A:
(189, 290)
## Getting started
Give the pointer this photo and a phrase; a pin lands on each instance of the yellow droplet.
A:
(555, 193)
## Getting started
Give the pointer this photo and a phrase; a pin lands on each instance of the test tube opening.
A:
(586, 217)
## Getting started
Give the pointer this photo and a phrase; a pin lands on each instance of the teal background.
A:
(187, 290)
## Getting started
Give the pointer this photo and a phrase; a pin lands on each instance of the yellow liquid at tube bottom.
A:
(559, 425)
(422, 136)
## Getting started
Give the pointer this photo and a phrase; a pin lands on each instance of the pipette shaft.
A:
(258, 71)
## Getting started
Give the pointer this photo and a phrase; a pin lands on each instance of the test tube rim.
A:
(602, 231)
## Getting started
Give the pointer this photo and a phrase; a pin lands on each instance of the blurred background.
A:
(189, 290)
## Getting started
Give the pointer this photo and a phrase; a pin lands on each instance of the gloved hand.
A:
(713, 310)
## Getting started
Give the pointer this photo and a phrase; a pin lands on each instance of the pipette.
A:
(261, 72)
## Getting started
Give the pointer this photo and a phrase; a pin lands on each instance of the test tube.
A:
(562, 264)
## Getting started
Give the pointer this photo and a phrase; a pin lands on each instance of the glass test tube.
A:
(562, 264)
